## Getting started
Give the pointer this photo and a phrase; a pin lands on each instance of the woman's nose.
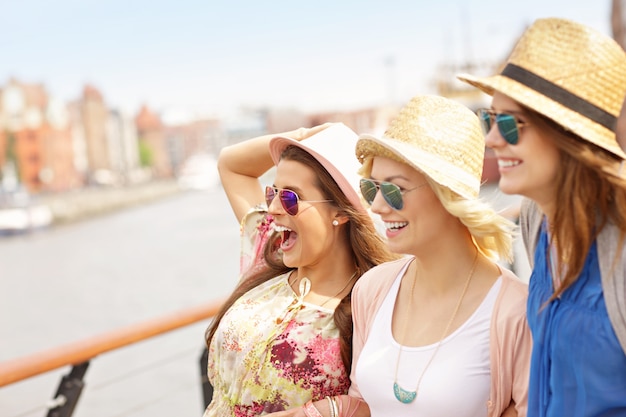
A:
(379, 205)
(494, 139)
(274, 206)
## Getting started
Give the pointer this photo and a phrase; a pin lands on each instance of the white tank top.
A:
(456, 383)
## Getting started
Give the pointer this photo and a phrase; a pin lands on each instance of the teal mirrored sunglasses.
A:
(391, 192)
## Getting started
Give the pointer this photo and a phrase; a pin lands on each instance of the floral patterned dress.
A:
(272, 351)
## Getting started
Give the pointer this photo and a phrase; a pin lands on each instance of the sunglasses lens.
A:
(289, 200)
(392, 195)
(508, 128)
(368, 190)
(485, 121)
(270, 193)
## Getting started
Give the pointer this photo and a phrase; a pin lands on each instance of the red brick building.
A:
(35, 143)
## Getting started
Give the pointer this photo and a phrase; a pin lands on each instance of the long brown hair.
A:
(590, 193)
(368, 250)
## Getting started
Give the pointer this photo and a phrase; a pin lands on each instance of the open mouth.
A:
(288, 236)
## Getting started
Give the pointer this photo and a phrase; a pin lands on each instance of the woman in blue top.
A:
(551, 125)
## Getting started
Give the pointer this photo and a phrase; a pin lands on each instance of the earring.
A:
(335, 222)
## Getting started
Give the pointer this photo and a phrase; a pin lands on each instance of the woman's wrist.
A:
(310, 410)
(332, 406)
(329, 405)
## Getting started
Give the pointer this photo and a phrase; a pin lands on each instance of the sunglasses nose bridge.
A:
(273, 201)
(384, 194)
(496, 128)
(377, 195)
(270, 197)
(493, 138)
(494, 135)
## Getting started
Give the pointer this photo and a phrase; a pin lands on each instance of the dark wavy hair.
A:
(368, 250)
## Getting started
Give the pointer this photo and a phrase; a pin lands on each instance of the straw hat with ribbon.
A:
(437, 136)
(568, 73)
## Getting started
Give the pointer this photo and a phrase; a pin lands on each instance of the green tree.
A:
(146, 156)
(11, 156)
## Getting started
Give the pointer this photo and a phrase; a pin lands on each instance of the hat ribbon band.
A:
(560, 95)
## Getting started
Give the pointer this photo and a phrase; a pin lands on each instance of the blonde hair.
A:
(491, 232)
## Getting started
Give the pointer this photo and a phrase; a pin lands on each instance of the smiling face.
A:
(422, 218)
(530, 167)
(308, 236)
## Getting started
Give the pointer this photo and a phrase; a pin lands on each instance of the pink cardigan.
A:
(511, 341)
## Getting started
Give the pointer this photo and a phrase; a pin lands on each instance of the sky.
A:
(187, 59)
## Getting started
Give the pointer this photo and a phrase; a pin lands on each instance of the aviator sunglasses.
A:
(508, 125)
(288, 199)
(391, 192)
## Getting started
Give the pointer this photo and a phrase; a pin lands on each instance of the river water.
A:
(74, 281)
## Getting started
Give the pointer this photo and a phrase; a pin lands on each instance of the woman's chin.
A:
(507, 187)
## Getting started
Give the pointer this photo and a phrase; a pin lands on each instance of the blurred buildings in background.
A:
(48, 146)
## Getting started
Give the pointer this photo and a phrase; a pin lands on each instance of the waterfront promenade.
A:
(89, 202)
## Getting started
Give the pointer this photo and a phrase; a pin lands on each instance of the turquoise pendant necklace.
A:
(402, 395)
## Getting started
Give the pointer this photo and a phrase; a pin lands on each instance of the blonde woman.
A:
(442, 331)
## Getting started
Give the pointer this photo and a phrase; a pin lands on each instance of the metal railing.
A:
(78, 355)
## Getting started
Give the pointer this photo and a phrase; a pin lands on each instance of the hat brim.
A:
(564, 116)
(440, 171)
(340, 149)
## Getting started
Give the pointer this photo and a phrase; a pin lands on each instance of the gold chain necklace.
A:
(407, 397)
(305, 286)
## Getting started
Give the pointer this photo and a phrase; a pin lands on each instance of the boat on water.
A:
(199, 172)
(20, 212)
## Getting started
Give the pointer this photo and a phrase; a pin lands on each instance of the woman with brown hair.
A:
(552, 127)
(284, 337)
